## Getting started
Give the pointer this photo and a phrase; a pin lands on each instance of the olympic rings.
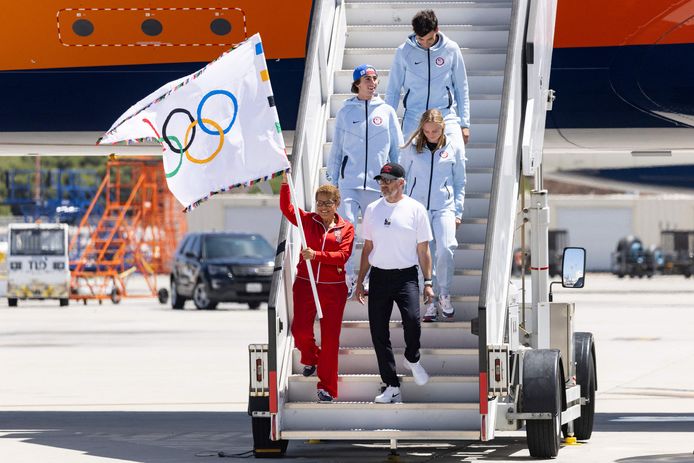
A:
(190, 133)
(204, 99)
(166, 123)
(219, 146)
(160, 139)
(180, 157)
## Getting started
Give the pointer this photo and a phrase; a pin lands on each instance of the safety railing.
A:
(325, 50)
(505, 184)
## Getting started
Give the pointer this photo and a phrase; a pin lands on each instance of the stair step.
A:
(433, 335)
(476, 59)
(364, 13)
(378, 434)
(469, 258)
(490, 37)
(466, 284)
(362, 388)
(479, 82)
(437, 361)
(465, 310)
(483, 106)
(472, 232)
(483, 130)
(334, 416)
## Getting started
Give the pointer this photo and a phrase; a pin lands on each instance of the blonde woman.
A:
(435, 172)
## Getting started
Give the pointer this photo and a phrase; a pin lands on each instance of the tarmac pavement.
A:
(139, 382)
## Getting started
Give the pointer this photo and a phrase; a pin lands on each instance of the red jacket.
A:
(333, 246)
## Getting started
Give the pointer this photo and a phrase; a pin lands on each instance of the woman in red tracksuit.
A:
(329, 244)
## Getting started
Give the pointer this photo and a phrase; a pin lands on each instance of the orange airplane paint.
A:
(64, 34)
(612, 23)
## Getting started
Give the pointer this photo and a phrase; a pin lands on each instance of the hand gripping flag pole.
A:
(303, 245)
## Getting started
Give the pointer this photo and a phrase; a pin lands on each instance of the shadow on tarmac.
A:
(644, 422)
(181, 437)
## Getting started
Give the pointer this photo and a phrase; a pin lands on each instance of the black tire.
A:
(542, 392)
(12, 301)
(177, 301)
(163, 295)
(64, 302)
(254, 305)
(586, 376)
(115, 296)
(201, 298)
(583, 426)
(263, 447)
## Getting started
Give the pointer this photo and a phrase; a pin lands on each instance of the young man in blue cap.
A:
(367, 136)
(429, 68)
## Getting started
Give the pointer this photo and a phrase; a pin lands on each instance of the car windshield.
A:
(225, 246)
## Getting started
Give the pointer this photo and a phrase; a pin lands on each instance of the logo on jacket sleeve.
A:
(377, 121)
(440, 61)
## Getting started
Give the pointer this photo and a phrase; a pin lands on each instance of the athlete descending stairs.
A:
(447, 407)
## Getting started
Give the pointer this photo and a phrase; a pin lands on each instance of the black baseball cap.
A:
(391, 171)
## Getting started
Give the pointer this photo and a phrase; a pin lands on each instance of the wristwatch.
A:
(428, 282)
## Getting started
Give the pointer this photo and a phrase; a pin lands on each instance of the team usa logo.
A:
(377, 121)
(440, 61)
(444, 155)
(338, 235)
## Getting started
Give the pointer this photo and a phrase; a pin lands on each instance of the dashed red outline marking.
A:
(60, 37)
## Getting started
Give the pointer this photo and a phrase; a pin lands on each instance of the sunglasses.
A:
(325, 203)
(386, 181)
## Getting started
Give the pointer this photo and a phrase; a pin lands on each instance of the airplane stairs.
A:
(448, 406)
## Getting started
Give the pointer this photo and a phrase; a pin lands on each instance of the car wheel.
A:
(254, 305)
(177, 301)
(201, 299)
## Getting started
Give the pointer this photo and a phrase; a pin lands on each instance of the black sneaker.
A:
(309, 370)
(324, 396)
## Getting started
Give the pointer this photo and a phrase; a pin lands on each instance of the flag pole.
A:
(303, 244)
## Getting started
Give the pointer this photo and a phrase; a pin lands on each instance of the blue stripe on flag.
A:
(258, 48)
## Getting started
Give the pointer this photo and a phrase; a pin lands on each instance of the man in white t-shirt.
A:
(396, 235)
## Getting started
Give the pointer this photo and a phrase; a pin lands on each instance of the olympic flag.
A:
(218, 127)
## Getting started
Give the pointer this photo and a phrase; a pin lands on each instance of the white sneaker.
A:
(429, 313)
(421, 377)
(447, 310)
(351, 282)
(390, 395)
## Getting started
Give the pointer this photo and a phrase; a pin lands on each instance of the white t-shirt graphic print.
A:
(395, 230)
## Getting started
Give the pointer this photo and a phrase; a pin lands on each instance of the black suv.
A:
(222, 267)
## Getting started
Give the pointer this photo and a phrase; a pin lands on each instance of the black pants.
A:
(386, 287)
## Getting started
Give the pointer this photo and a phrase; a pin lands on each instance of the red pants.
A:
(332, 299)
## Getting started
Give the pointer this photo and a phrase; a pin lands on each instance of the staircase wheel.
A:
(115, 296)
(543, 389)
(263, 446)
(587, 379)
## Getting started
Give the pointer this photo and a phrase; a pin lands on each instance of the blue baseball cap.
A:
(363, 70)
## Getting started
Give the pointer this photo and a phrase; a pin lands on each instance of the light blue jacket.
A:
(433, 78)
(367, 136)
(437, 180)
